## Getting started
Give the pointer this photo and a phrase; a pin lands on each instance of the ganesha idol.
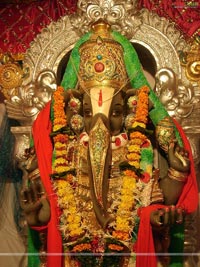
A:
(109, 173)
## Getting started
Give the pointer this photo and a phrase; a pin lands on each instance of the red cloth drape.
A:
(20, 23)
(145, 252)
(43, 145)
(189, 197)
(188, 201)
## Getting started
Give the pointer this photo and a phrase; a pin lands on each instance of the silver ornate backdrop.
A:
(170, 62)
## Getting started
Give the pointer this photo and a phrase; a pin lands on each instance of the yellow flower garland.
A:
(123, 226)
(70, 219)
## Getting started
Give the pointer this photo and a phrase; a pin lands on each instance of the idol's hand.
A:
(178, 158)
(167, 216)
(34, 202)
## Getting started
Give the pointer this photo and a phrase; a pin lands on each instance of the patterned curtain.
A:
(185, 14)
(21, 21)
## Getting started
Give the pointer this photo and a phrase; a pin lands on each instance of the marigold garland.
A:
(123, 226)
(60, 145)
(142, 106)
(82, 247)
(60, 119)
(115, 247)
(70, 219)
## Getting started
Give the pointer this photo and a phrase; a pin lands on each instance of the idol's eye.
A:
(117, 112)
(87, 112)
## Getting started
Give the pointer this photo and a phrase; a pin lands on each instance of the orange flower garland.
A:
(60, 140)
(82, 247)
(115, 247)
(124, 225)
(142, 107)
(60, 145)
(70, 219)
(60, 119)
(137, 138)
(136, 141)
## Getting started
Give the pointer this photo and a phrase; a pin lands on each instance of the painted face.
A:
(101, 99)
(87, 112)
(116, 114)
(112, 109)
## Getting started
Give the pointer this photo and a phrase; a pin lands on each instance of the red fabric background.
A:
(185, 13)
(20, 23)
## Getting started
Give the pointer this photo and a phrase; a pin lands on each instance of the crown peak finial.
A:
(101, 28)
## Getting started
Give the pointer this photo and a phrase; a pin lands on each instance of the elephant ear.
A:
(131, 92)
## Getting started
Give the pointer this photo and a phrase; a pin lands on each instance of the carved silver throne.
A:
(158, 44)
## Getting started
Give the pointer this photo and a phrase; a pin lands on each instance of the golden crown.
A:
(101, 60)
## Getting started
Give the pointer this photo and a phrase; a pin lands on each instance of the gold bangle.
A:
(30, 160)
(34, 174)
(178, 176)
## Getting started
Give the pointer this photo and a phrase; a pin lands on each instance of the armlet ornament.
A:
(178, 176)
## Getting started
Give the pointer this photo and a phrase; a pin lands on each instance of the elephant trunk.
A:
(99, 159)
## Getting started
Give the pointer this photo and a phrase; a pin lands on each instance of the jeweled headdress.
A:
(117, 48)
(101, 60)
(111, 53)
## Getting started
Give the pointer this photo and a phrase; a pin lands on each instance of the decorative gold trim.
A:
(178, 176)
(102, 62)
(34, 174)
(193, 63)
(11, 73)
(10, 57)
(98, 146)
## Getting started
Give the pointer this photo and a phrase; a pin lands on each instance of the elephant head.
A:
(98, 107)
(101, 122)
